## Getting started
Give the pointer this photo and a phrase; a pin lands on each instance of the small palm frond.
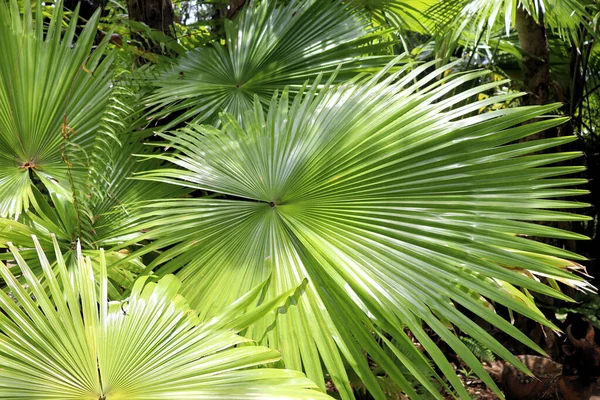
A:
(70, 342)
(99, 205)
(266, 48)
(398, 202)
(479, 350)
(53, 90)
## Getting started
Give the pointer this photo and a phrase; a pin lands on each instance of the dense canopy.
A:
(290, 199)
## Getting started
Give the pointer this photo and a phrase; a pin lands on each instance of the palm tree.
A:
(372, 204)
(548, 48)
(451, 20)
(67, 130)
(94, 214)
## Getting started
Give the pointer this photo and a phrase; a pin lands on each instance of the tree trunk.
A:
(234, 7)
(534, 43)
(157, 14)
(536, 59)
(536, 69)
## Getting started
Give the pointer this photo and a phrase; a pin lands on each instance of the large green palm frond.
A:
(396, 204)
(266, 48)
(53, 90)
(70, 342)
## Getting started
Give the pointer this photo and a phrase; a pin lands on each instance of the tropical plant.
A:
(53, 91)
(71, 342)
(266, 48)
(364, 206)
(394, 205)
(102, 209)
(479, 19)
(67, 150)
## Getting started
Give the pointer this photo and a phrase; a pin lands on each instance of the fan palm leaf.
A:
(266, 48)
(60, 344)
(53, 91)
(394, 202)
(96, 206)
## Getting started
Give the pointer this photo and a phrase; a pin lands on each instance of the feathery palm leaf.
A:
(395, 204)
(72, 343)
(52, 94)
(266, 48)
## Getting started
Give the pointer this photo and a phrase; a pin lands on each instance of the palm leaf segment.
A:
(394, 202)
(474, 20)
(266, 48)
(50, 103)
(403, 15)
(63, 345)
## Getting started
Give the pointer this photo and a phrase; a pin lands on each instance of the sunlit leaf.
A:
(72, 343)
(397, 204)
(266, 48)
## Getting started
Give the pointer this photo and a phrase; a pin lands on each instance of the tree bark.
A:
(534, 43)
(536, 69)
(157, 14)
(234, 7)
